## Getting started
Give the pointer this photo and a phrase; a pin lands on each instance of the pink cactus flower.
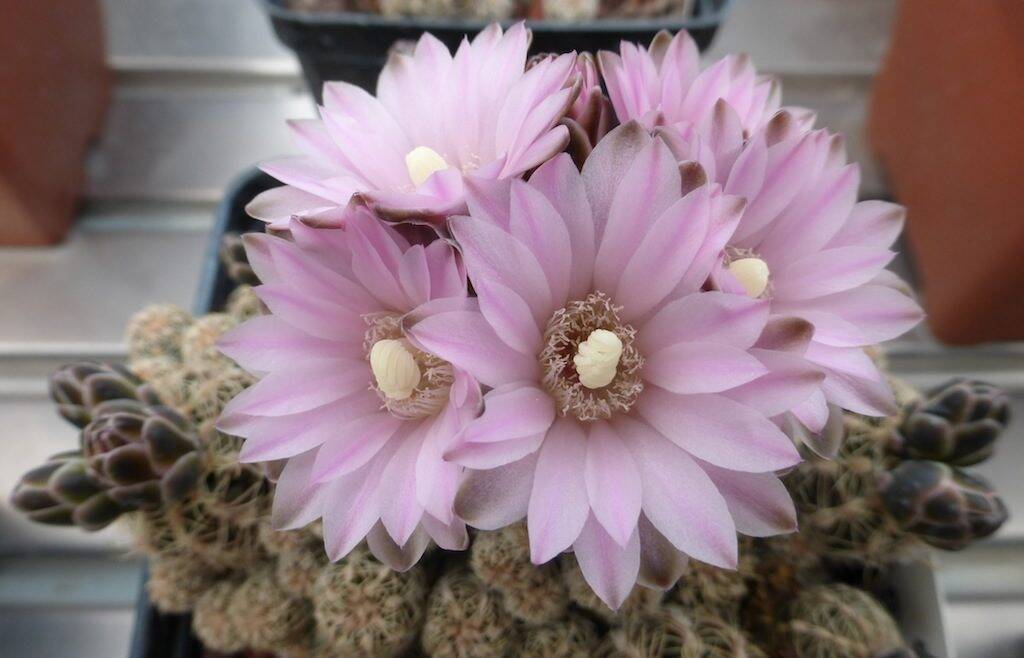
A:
(663, 85)
(362, 414)
(803, 243)
(627, 416)
(808, 247)
(436, 117)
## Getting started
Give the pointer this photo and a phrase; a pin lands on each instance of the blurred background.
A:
(116, 147)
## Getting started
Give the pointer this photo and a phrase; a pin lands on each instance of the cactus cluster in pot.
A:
(567, 356)
(202, 519)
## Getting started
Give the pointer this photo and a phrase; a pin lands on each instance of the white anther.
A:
(597, 358)
(422, 162)
(752, 273)
(394, 368)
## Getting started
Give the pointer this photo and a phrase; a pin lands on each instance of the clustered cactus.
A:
(151, 455)
(561, 10)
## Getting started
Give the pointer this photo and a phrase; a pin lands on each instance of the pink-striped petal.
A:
(558, 502)
(680, 499)
(403, 557)
(297, 502)
(511, 412)
(759, 503)
(610, 569)
(484, 456)
(707, 317)
(718, 430)
(466, 340)
(702, 367)
(613, 482)
(495, 498)
(354, 444)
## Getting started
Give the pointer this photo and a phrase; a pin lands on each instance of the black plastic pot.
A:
(353, 46)
(214, 283)
(159, 635)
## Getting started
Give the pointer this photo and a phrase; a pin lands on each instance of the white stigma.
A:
(752, 273)
(597, 358)
(394, 368)
(422, 162)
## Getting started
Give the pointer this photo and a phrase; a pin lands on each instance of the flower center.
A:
(394, 368)
(597, 358)
(590, 364)
(411, 383)
(750, 271)
(422, 162)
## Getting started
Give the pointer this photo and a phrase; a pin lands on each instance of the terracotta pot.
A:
(946, 124)
(56, 87)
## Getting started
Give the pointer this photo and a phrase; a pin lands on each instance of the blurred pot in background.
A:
(349, 40)
(945, 123)
(56, 87)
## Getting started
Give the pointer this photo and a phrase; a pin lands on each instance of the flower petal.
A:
(354, 444)
(511, 412)
(495, 254)
(267, 343)
(535, 222)
(483, 456)
(760, 504)
(718, 430)
(450, 537)
(558, 503)
(661, 563)
(297, 501)
(664, 254)
(702, 367)
(643, 192)
(827, 272)
(267, 439)
(400, 558)
(610, 569)
(300, 388)
(495, 498)
(613, 482)
(355, 506)
(509, 315)
(708, 316)
(400, 509)
(277, 205)
(852, 380)
(313, 316)
(466, 340)
(871, 224)
(694, 517)
(603, 170)
(561, 183)
(790, 380)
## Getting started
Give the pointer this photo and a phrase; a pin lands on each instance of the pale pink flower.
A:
(435, 118)
(808, 247)
(663, 85)
(628, 411)
(362, 415)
